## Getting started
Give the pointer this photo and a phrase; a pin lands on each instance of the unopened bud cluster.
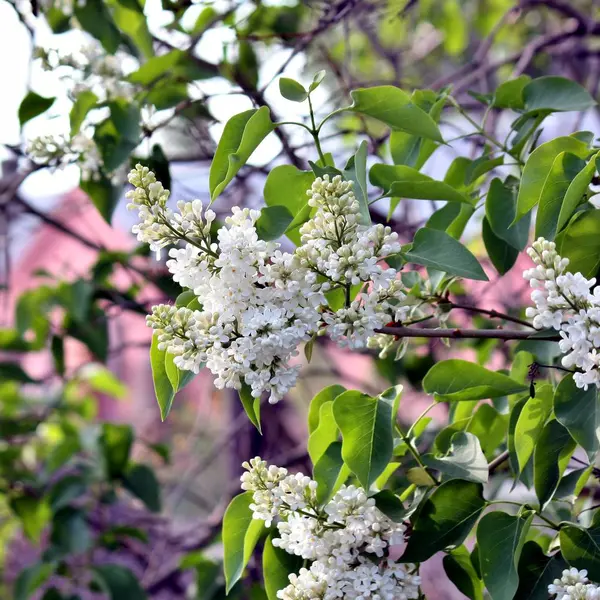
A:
(565, 301)
(574, 585)
(346, 541)
(258, 303)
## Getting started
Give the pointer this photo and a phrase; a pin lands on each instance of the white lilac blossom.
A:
(574, 585)
(347, 540)
(259, 303)
(60, 151)
(566, 302)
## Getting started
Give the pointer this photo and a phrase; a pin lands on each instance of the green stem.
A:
(423, 414)
(315, 133)
(407, 492)
(412, 450)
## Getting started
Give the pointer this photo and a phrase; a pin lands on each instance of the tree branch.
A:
(498, 334)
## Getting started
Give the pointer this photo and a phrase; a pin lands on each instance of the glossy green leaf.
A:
(366, 424)
(330, 472)
(242, 135)
(481, 166)
(390, 505)
(552, 94)
(273, 222)
(84, 102)
(325, 434)
(576, 193)
(317, 79)
(103, 194)
(465, 461)
(500, 210)
(445, 519)
(405, 182)
(550, 459)
(502, 254)
(162, 385)
(530, 423)
(438, 250)
(392, 106)
(580, 243)
(490, 427)
(356, 171)
(414, 150)
(328, 394)
(538, 166)
(240, 535)
(459, 569)
(458, 380)
(251, 405)
(290, 89)
(581, 548)
(70, 531)
(509, 94)
(500, 539)
(537, 571)
(32, 106)
(287, 186)
(34, 514)
(563, 171)
(579, 411)
(277, 565)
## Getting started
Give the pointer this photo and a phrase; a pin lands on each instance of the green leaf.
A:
(581, 548)
(317, 79)
(33, 105)
(328, 394)
(392, 106)
(162, 386)
(413, 150)
(325, 434)
(481, 166)
(445, 519)
(576, 192)
(330, 472)
(84, 102)
(175, 64)
(240, 535)
(580, 243)
(277, 565)
(438, 250)
(34, 514)
(550, 459)
(579, 411)
(556, 94)
(141, 481)
(537, 571)
(490, 428)
(500, 539)
(563, 171)
(242, 135)
(466, 460)
(572, 483)
(287, 186)
(502, 255)
(119, 582)
(510, 93)
(290, 89)
(462, 574)
(500, 210)
(129, 18)
(103, 194)
(513, 459)
(405, 182)
(66, 490)
(31, 578)
(273, 222)
(70, 531)
(366, 424)
(14, 372)
(251, 405)
(356, 171)
(95, 18)
(538, 166)
(532, 418)
(116, 442)
(101, 380)
(458, 380)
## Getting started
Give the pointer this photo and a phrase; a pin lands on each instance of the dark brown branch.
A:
(497, 334)
(501, 458)
(494, 314)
